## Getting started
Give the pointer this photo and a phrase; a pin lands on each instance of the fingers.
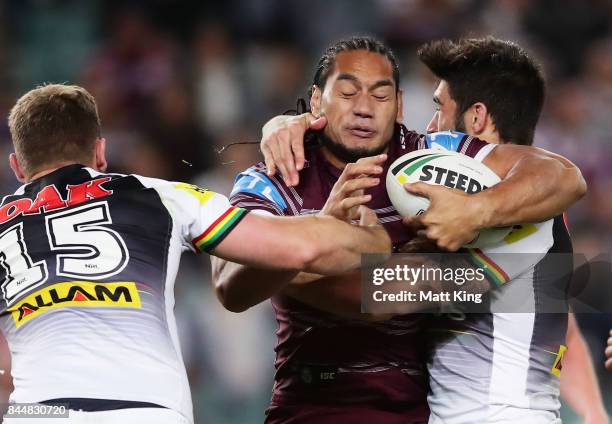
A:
(268, 160)
(422, 234)
(358, 184)
(421, 189)
(414, 223)
(367, 216)
(608, 353)
(286, 161)
(283, 144)
(372, 160)
(351, 195)
(442, 242)
(276, 157)
(355, 176)
(354, 202)
(316, 123)
(420, 245)
(371, 165)
(292, 149)
(297, 148)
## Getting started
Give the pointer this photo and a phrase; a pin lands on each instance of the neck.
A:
(331, 158)
(47, 171)
(490, 136)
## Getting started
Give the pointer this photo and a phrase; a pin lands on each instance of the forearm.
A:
(579, 385)
(317, 244)
(279, 247)
(535, 189)
(340, 246)
(239, 287)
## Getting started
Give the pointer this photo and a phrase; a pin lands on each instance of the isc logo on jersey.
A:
(75, 293)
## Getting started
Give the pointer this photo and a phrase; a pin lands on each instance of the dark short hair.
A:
(54, 123)
(367, 43)
(499, 74)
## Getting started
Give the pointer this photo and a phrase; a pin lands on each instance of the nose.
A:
(363, 106)
(433, 123)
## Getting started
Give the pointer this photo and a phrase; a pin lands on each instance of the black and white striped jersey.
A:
(87, 268)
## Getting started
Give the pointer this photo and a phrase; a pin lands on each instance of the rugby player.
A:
(331, 369)
(512, 360)
(89, 260)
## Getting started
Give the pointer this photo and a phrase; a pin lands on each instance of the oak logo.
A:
(49, 199)
(75, 293)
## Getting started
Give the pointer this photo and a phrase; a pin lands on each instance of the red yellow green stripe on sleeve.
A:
(490, 268)
(219, 229)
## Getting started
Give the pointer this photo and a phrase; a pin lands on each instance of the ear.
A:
(315, 101)
(16, 167)
(482, 120)
(100, 155)
(400, 107)
(478, 118)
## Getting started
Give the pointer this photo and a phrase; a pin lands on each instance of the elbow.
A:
(225, 287)
(581, 185)
(575, 185)
(574, 181)
(235, 307)
(229, 302)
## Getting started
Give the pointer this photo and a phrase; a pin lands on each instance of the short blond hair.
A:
(54, 123)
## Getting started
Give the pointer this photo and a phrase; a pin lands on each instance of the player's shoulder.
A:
(445, 140)
(151, 182)
(254, 188)
(409, 139)
(112, 180)
(168, 189)
(460, 142)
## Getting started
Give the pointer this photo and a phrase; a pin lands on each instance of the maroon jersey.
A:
(331, 369)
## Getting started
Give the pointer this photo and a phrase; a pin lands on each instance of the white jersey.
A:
(504, 366)
(88, 263)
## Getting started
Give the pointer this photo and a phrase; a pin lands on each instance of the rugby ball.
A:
(441, 167)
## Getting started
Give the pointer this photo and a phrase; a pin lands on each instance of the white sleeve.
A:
(204, 217)
(518, 252)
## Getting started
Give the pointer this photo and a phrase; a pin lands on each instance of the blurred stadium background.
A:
(175, 80)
